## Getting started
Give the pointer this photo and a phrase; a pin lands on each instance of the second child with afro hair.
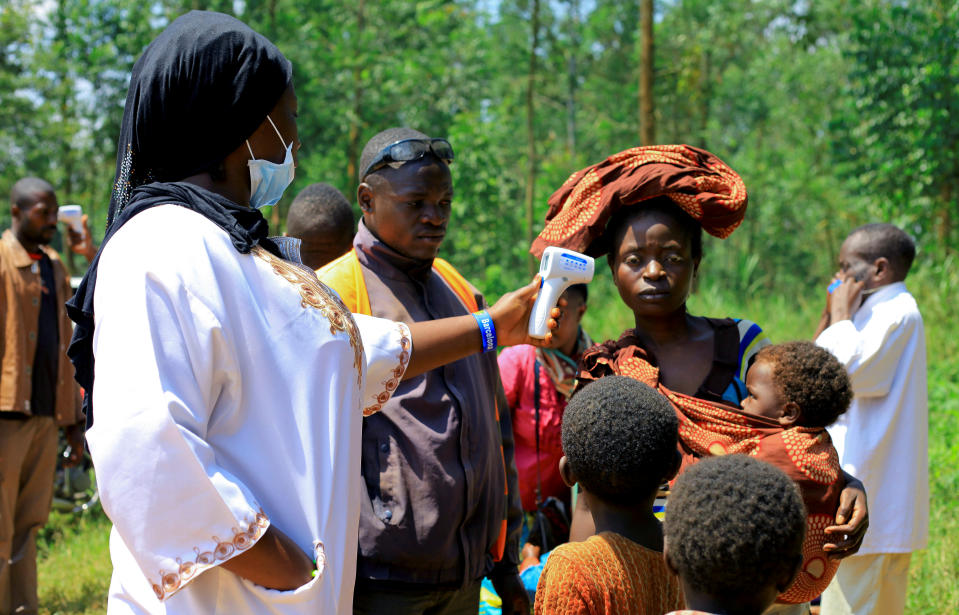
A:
(620, 442)
(734, 533)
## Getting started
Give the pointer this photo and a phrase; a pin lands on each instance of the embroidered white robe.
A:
(229, 396)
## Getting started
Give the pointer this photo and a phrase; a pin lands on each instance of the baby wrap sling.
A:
(706, 428)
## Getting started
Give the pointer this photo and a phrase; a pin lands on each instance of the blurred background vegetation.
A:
(835, 112)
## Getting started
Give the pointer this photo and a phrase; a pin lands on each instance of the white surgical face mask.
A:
(268, 179)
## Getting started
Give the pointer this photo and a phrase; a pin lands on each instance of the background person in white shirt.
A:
(872, 324)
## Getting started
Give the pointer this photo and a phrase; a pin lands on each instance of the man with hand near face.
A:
(37, 392)
(443, 506)
(872, 324)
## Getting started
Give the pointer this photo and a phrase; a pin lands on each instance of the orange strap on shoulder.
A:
(456, 282)
(461, 287)
(345, 276)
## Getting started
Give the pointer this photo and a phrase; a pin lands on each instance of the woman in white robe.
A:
(230, 383)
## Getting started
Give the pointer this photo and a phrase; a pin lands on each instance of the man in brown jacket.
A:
(37, 391)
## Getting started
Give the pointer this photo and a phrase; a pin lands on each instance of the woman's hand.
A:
(274, 562)
(511, 316)
(442, 341)
(852, 520)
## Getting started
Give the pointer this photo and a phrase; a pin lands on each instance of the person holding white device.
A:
(37, 394)
(77, 226)
(226, 385)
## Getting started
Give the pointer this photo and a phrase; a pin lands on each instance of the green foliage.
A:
(897, 132)
(835, 113)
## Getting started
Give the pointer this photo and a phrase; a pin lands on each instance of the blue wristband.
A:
(487, 329)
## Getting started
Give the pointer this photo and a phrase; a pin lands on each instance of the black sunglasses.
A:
(408, 150)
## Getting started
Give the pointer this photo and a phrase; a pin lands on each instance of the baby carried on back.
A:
(795, 390)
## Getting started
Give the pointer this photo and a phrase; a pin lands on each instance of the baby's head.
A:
(734, 531)
(797, 383)
(620, 441)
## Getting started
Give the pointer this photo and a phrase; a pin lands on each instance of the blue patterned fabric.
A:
(751, 339)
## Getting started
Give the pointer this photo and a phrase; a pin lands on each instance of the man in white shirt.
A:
(872, 324)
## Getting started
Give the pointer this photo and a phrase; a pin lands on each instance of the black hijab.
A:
(201, 88)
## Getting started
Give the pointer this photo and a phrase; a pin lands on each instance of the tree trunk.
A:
(531, 137)
(353, 148)
(66, 148)
(572, 77)
(706, 87)
(647, 120)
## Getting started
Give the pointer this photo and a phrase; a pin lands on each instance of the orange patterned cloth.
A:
(607, 574)
(707, 428)
(698, 182)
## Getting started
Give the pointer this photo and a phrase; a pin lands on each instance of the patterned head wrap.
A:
(698, 182)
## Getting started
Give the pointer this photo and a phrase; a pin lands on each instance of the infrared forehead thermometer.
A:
(559, 270)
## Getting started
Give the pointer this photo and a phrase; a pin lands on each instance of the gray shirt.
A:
(431, 460)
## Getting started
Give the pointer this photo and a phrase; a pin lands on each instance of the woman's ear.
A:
(566, 472)
(791, 413)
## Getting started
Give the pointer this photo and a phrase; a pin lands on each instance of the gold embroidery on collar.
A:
(393, 381)
(243, 539)
(314, 293)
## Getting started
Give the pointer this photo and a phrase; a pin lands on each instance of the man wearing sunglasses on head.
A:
(443, 507)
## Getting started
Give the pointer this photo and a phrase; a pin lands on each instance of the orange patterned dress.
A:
(708, 428)
(607, 574)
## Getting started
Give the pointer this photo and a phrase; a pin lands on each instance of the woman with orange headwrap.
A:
(646, 208)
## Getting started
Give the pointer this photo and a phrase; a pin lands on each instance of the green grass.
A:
(74, 563)
(74, 559)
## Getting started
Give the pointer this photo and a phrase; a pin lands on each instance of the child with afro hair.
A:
(734, 535)
(795, 390)
(620, 444)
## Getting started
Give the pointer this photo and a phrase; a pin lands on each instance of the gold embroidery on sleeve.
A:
(243, 539)
(314, 293)
(394, 380)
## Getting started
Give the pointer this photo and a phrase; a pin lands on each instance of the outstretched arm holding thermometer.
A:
(438, 342)
(559, 269)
